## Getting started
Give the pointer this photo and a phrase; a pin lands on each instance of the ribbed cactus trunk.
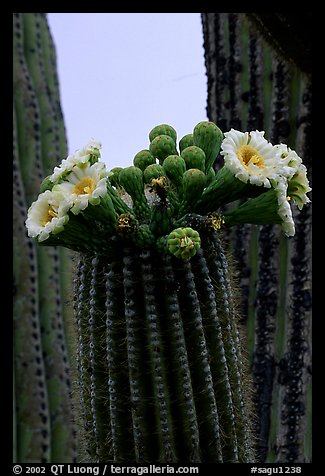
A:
(44, 428)
(162, 373)
(251, 87)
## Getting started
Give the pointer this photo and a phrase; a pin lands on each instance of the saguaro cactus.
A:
(251, 86)
(44, 428)
(162, 368)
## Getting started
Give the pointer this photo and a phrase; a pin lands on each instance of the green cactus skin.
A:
(208, 137)
(170, 389)
(143, 158)
(45, 431)
(194, 158)
(163, 129)
(162, 146)
(260, 90)
(186, 141)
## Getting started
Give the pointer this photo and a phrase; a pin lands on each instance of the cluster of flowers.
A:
(79, 181)
(76, 195)
(251, 159)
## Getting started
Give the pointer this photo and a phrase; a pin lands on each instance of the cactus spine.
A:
(44, 429)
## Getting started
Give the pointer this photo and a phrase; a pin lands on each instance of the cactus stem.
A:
(82, 290)
(202, 382)
(218, 363)
(137, 358)
(91, 353)
(186, 431)
(159, 382)
(220, 272)
(120, 421)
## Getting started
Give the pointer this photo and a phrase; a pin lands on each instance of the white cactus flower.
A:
(48, 214)
(87, 155)
(84, 185)
(251, 158)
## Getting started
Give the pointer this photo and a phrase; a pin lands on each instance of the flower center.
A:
(126, 223)
(49, 214)
(215, 221)
(86, 185)
(248, 155)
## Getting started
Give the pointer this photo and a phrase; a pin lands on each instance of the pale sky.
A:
(121, 74)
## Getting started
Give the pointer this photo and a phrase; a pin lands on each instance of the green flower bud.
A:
(126, 225)
(143, 158)
(298, 186)
(131, 179)
(162, 146)
(164, 129)
(193, 184)
(194, 157)
(186, 141)
(113, 176)
(183, 242)
(153, 171)
(208, 136)
(161, 244)
(211, 176)
(175, 166)
(47, 184)
(161, 218)
(143, 236)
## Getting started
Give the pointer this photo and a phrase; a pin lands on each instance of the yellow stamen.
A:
(86, 185)
(49, 214)
(215, 221)
(159, 182)
(126, 223)
(248, 155)
(288, 198)
(186, 242)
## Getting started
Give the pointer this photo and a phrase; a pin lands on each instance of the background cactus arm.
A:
(267, 93)
(32, 431)
(27, 116)
(34, 152)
